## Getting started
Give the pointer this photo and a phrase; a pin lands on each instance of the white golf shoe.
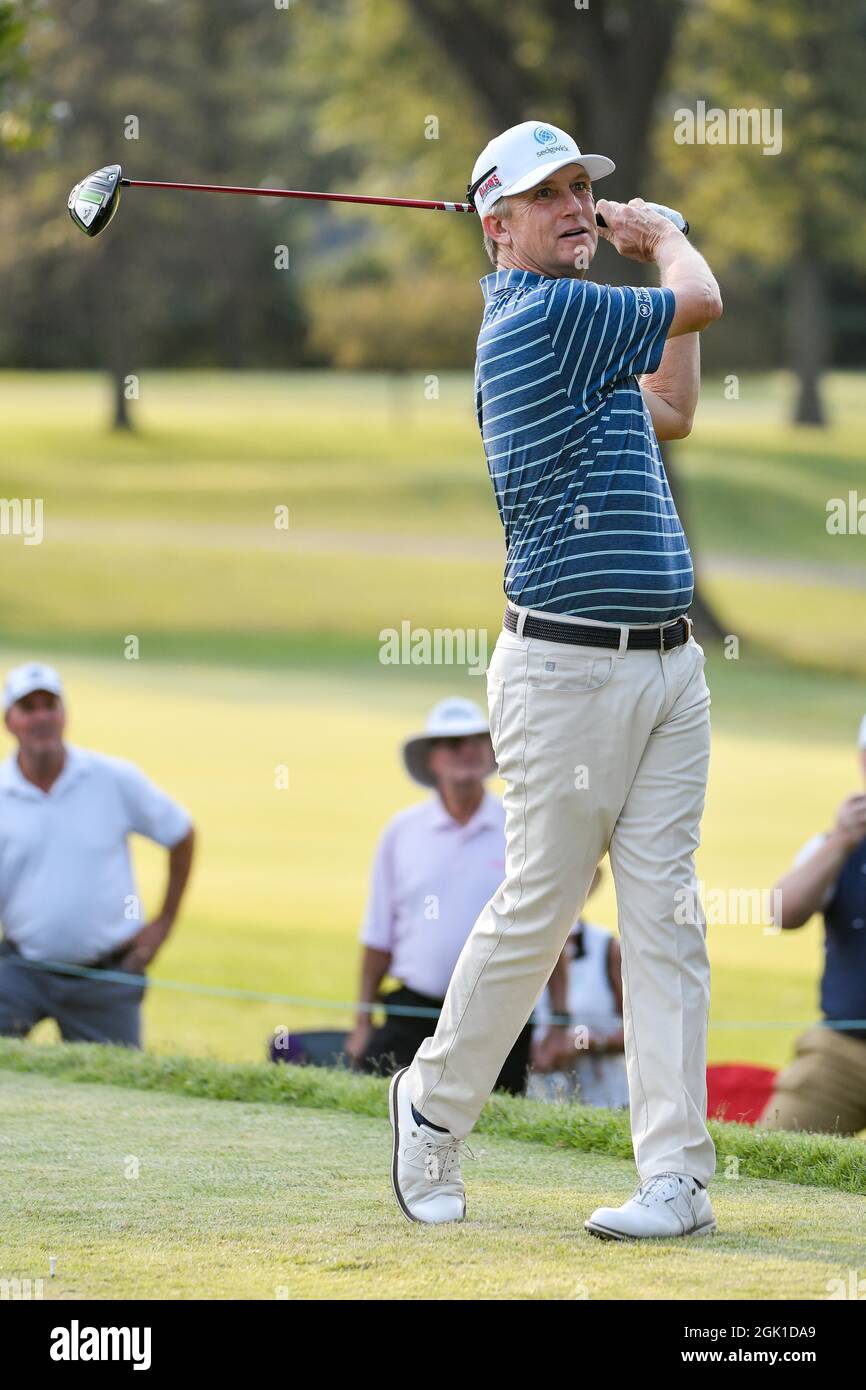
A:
(669, 1204)
(425, 1163)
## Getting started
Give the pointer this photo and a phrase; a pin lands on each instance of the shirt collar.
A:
(13, 781)
(509, 279)
(483, 819)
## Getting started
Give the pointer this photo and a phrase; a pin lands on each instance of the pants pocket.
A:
(567, 673)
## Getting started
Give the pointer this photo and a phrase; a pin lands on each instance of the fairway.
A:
(390, 513)
(143, 1195)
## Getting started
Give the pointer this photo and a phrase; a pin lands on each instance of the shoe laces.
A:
(648, 1188)
(441, 1157)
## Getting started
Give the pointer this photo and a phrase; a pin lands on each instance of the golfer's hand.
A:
(357, 1042)
(141, 948)
(555, 1050)
(633, 228)
(850, 826)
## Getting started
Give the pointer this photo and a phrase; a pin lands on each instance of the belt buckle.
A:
(672, 622)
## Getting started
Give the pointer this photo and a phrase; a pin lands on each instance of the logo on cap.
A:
(493, 182)
(543, 135)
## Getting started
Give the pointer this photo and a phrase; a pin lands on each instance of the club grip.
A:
(670, 213)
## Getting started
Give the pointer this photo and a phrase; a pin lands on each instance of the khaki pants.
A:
(598, 751)
(823, 1089)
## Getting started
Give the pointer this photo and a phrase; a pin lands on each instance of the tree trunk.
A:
(707, 624)
(119, 328)
(121, 419)
(806, 330)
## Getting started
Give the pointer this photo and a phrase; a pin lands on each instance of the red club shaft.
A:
(298, 193)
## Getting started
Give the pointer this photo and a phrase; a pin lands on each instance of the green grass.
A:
(808, 1159)
(357, 449)
(164, 1194)
(391, 515)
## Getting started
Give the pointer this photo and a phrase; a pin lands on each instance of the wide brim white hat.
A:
(449, 719)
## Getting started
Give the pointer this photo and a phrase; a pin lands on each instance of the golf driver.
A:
(93, 202)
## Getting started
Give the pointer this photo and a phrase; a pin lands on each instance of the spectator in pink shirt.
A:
(437, 863)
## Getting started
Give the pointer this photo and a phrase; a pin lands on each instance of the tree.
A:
(23, 119)
(796, 213)
(193, 92)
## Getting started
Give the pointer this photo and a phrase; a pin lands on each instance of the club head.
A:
(93, 202)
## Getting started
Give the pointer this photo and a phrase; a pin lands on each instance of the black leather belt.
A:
(107, 962)
(662, 638)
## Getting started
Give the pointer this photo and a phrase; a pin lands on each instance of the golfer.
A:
(599, 710)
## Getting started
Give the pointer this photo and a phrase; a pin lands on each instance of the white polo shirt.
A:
(431, 878)
(66, 880)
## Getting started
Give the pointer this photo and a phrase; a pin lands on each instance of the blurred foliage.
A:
(806, 60)
(179, 277)
(406, 126)
(23, 119)
(396, 97)
(746, 208)
(430, 319)
(788, 223)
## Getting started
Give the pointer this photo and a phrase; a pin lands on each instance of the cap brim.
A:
(598, 166)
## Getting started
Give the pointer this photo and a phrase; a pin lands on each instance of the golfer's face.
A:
(553, 224)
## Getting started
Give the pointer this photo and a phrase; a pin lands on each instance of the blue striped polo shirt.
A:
(590, 525)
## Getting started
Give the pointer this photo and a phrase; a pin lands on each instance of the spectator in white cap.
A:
(824, 1088)
(67, 892)
(436, 864)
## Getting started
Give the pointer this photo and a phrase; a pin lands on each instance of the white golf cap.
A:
(23, 680)
(523, 156)
(451, 718)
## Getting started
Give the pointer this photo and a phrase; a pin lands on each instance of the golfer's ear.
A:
(495, 227)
